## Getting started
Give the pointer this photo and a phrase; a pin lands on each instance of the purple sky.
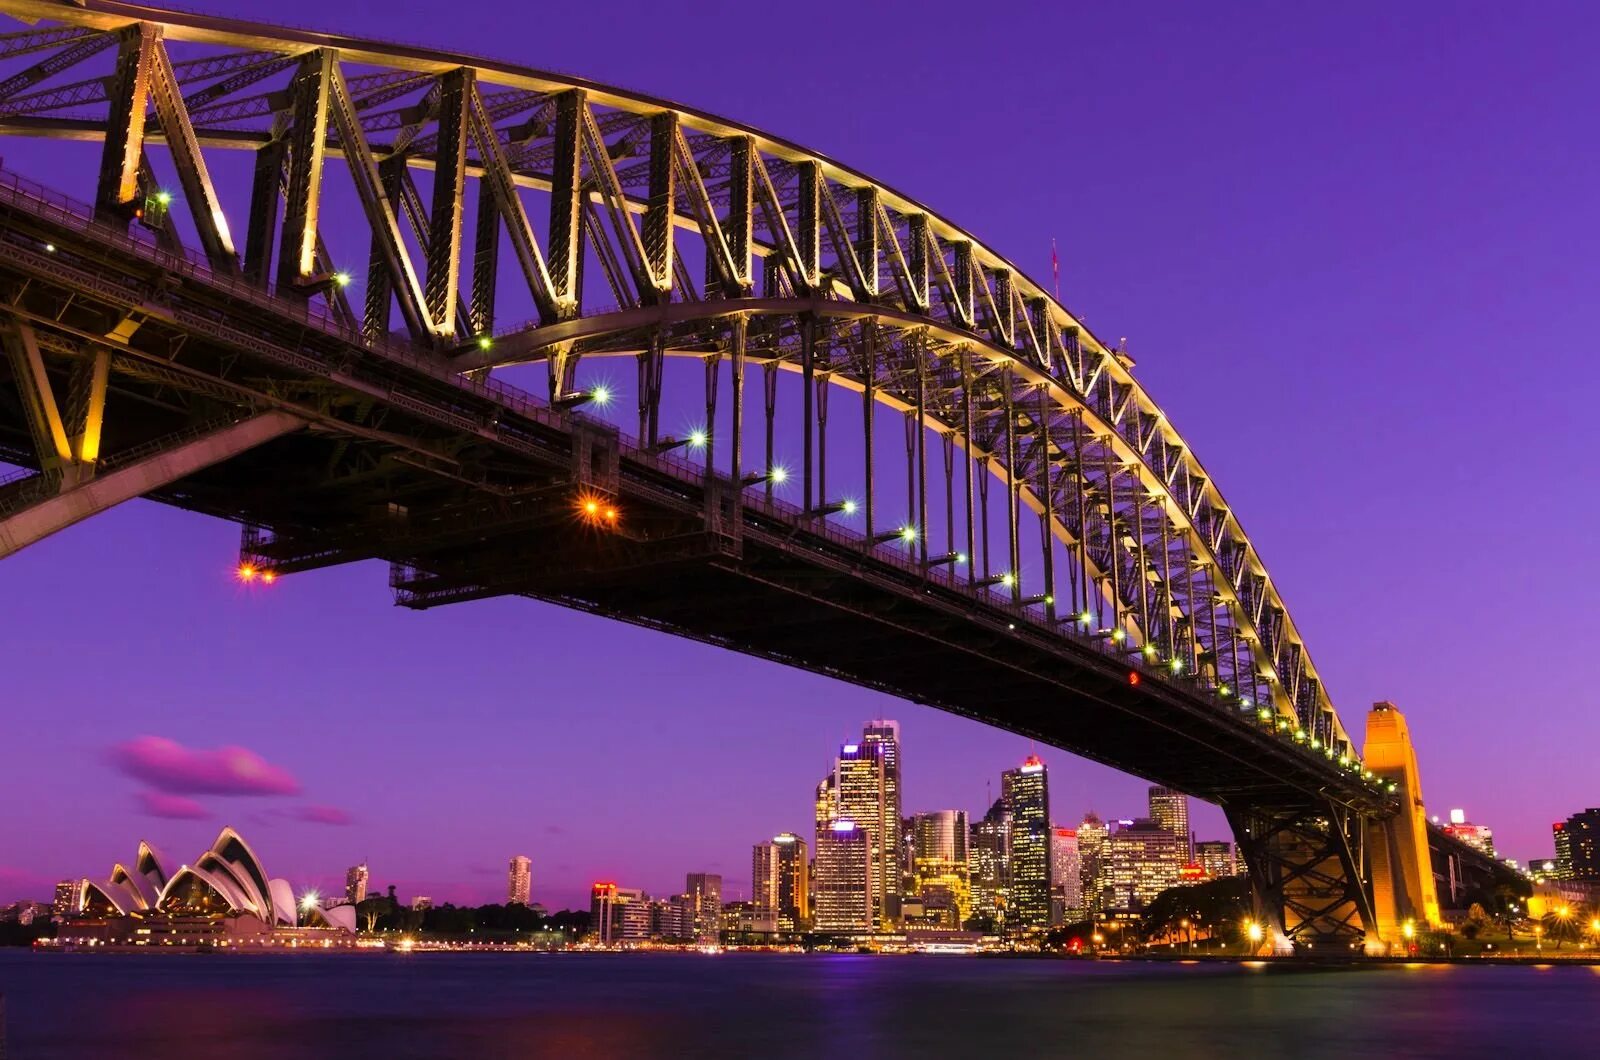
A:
(1353, 251)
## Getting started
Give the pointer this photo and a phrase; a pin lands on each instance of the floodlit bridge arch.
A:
(231, 359)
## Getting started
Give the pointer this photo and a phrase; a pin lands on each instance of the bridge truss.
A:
(1057, 560)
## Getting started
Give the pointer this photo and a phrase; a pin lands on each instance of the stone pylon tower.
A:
(1402, 870)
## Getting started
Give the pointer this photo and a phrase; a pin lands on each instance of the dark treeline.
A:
(487, 922)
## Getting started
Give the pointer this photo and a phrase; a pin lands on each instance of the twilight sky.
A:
(1354, 253)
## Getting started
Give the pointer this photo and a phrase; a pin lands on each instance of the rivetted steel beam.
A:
(38, 397)
(722, 274)
(741, 209)
(266, 190)
(444, 219)
(497, 175)
(308, 136)
(35, 523)
(124, 136)
(485, 264)
(380, 213)
(566, 203)
(198, 191)
(661, 203)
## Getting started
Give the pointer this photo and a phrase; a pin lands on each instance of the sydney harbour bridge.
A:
(762, 400)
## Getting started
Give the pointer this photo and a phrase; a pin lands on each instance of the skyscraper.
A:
(1216, 858)
(1578, 846)
(859, 790)
(1026, 793)
(780, 881)
(987, 856)
(1141, 859)
(519, 880)
(705, 896)
(355, 884)
(794, 882)
(1169, 809)
(884, 734)
(844, 894)
(1092, 833)
(940, 873)
(1066, 876)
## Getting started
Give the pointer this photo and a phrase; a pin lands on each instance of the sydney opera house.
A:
(222, 898)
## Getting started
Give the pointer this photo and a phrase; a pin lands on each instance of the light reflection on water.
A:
(644, 1005)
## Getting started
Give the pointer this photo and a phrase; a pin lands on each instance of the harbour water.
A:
(769, 1005)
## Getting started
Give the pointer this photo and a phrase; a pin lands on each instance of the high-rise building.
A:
(1141, 859)
(864, 788)
(705, 898)
(1026, 793)
(989, 867)
(1474, 835)
(1578, 846)
(780, 881)
(519, 880)
(764, 877)
(1066, 877)
(421, 904)
(1092, 833)
(1216, 858)
(941, 876)
(844, 894)
(1169, 809)
(618, 914)
(68, 895)
(884, 735)
(672, 918)
(355, 884)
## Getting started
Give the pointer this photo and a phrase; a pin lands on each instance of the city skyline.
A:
(187, 662)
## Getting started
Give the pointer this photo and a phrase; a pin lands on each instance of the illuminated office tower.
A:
(884, 735)
(1092, 833)
(860, 794)
(1140, 860)
(989, 870)
(1066, 877)
(355, 884)
(1578, 846)
(843, 893)
(780, 881)
(1216, 858)
(1170, 810)
(519, 880)
(705, 895)
(1026, 793)
(794, 882)
(940, 871)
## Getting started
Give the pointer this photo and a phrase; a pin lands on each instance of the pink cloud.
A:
(177, 807)
(315, 814)
(168, 766)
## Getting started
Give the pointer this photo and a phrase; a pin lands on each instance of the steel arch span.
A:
(1037, 548)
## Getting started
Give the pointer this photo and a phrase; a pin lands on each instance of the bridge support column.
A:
(1307, 866)
(76, 503)
(1403, 889)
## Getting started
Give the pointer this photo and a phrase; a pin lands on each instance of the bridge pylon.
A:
(1403, 893)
